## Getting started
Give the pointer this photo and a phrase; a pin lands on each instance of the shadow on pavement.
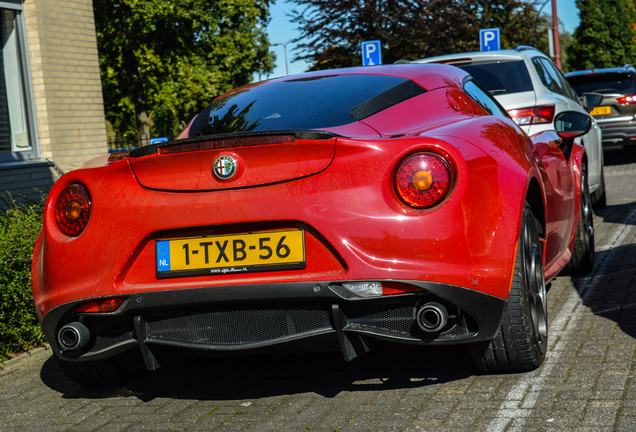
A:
(618, 213)
(327, 374)
(619, 156)
(609, 290)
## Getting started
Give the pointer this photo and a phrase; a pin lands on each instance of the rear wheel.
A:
(582, 260)
(522, 338)
(124, 367)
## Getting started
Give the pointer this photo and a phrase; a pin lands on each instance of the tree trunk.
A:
(138, 96)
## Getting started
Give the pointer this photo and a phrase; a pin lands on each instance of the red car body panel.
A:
(339, 190)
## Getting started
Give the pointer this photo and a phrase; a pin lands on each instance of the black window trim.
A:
(472, 80)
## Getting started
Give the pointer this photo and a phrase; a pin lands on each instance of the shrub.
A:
(20, 223)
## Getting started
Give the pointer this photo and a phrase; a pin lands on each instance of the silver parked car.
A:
(533, 90)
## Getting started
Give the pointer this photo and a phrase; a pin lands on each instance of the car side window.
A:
(557, 75)
(483, 98)
(552, 78)
(545, 76)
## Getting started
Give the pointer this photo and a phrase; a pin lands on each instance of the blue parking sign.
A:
(371, 53)
(158, 140)
(489, 39)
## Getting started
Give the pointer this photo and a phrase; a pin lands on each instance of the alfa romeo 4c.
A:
(327, 210)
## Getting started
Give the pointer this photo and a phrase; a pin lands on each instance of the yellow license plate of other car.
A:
(601, 110)
(232, 253)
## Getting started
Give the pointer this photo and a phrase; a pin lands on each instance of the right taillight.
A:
(73, 210)
(533, 115)
(423, 180)
(627, 100)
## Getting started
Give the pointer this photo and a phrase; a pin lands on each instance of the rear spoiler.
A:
(230, 140)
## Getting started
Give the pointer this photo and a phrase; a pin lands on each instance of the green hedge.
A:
(20, 223)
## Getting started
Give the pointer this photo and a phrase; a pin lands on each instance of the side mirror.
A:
(590, 100)
(569, 125)
(572, 124)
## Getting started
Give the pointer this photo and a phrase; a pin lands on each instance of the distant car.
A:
(533, 90)
(327, 210)
(616, 113)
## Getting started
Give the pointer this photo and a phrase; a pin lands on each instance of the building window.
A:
(17, 125)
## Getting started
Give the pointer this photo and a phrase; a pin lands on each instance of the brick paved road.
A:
(586, 384)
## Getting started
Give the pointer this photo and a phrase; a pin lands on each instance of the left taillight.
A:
(423, 180)
(533, 115)
(102, 306)
(73, 209)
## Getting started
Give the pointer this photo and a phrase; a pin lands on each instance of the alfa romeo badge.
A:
(224, 167)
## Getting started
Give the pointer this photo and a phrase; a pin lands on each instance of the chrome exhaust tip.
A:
(432, 317)
(73, 336)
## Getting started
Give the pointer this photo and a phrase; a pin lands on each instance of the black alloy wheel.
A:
(582, 260)
(522, 339)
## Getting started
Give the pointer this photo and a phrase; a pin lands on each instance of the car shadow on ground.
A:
(624, 214)
(619, 156)
(327, 374)
(608, 290)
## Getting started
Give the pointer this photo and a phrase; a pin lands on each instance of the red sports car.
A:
(327, 210)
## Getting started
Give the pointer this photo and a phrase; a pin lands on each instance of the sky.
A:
(282, 31)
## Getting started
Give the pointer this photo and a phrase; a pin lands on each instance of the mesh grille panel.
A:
(104, 342)
(238, 327)
(398, 319)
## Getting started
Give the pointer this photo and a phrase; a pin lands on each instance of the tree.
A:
(163, 61)
(331, 32)
(605, 35)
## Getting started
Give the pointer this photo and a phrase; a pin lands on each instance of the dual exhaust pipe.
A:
(432, 317)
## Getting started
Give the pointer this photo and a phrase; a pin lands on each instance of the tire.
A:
(521, 341)
(582, 260)
(599, 199)
(122, 368)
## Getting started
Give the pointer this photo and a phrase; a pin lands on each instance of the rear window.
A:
(615, 82)
(501, 77)
(304, 103)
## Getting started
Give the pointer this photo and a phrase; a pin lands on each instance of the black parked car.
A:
(616, 113)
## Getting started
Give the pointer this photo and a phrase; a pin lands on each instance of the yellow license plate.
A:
(601, 110)
(232, 253)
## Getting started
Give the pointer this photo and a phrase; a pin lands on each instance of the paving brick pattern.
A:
(586, 384)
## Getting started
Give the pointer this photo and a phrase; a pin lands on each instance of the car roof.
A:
(626, 68)
(429, 76)
(483, 56)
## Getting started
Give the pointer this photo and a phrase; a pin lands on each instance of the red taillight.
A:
(533, 115)
(627, 100)
(423, 180)
(102, 306)
(73, 210)
(114, 157)
(393, 288)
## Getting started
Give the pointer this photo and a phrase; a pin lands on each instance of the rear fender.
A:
(578, 157)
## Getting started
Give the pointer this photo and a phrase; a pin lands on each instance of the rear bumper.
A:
(622, 132)
(309, 316)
